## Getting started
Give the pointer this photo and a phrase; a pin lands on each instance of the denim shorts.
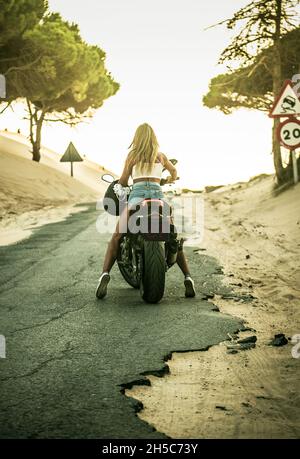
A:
(144, 190)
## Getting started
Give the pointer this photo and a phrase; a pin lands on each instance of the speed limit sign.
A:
(289, 133)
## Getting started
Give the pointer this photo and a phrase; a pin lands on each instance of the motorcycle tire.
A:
(153, 271)
(127, 274)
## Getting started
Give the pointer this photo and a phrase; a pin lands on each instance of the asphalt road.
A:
(69, 355)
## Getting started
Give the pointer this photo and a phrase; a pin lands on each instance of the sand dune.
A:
(87, 172)
(33, 193)
(255, 235)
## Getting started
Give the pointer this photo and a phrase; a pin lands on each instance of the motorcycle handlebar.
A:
(165, 182)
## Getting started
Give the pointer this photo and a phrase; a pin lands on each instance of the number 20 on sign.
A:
(289, 133)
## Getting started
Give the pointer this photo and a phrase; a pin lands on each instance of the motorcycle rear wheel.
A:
(153, 276)
(126, 269)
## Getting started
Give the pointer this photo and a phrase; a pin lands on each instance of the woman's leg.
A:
(111, 255)
(113, 245)
(112, 250)
(183, 265)
(182, 262)
(181, 259)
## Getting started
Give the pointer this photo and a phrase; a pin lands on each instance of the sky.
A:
(163, 58)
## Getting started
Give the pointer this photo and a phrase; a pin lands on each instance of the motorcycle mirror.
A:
(173, 161)
(107, 178)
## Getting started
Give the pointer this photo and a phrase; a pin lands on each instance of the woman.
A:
(144, 164)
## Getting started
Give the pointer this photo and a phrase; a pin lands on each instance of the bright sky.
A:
(163, 58)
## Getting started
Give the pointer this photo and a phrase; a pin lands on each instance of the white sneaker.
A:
(189, 287)
(101, 290)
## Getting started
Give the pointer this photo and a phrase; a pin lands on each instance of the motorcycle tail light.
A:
(144, 203)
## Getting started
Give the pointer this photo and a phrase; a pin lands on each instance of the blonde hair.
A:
(143, 148)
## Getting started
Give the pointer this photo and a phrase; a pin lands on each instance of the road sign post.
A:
(71, 155)
(289, 136)
(287, 105)
(295, 167)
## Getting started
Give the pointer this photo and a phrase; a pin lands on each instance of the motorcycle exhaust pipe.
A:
(174, 246)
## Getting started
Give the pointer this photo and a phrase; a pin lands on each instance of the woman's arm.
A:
(123, 180)
(169, 166)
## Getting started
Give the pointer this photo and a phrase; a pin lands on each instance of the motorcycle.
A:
(148, 250)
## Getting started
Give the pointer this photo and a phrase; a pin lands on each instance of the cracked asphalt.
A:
(70, 355)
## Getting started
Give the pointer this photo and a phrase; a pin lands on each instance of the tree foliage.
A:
(68, 75)
(259, 60)
(60, 76)
(258, 23)
(252, 86)
(17, 16)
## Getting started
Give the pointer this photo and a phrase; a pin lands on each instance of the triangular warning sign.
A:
(287, 102)
(71, 155)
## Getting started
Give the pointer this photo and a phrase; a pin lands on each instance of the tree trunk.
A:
(277, 82)
(36, 146)
(277, 160)
(36, 123)
(36, 155)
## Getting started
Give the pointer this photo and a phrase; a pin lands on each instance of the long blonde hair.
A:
(143, 148)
